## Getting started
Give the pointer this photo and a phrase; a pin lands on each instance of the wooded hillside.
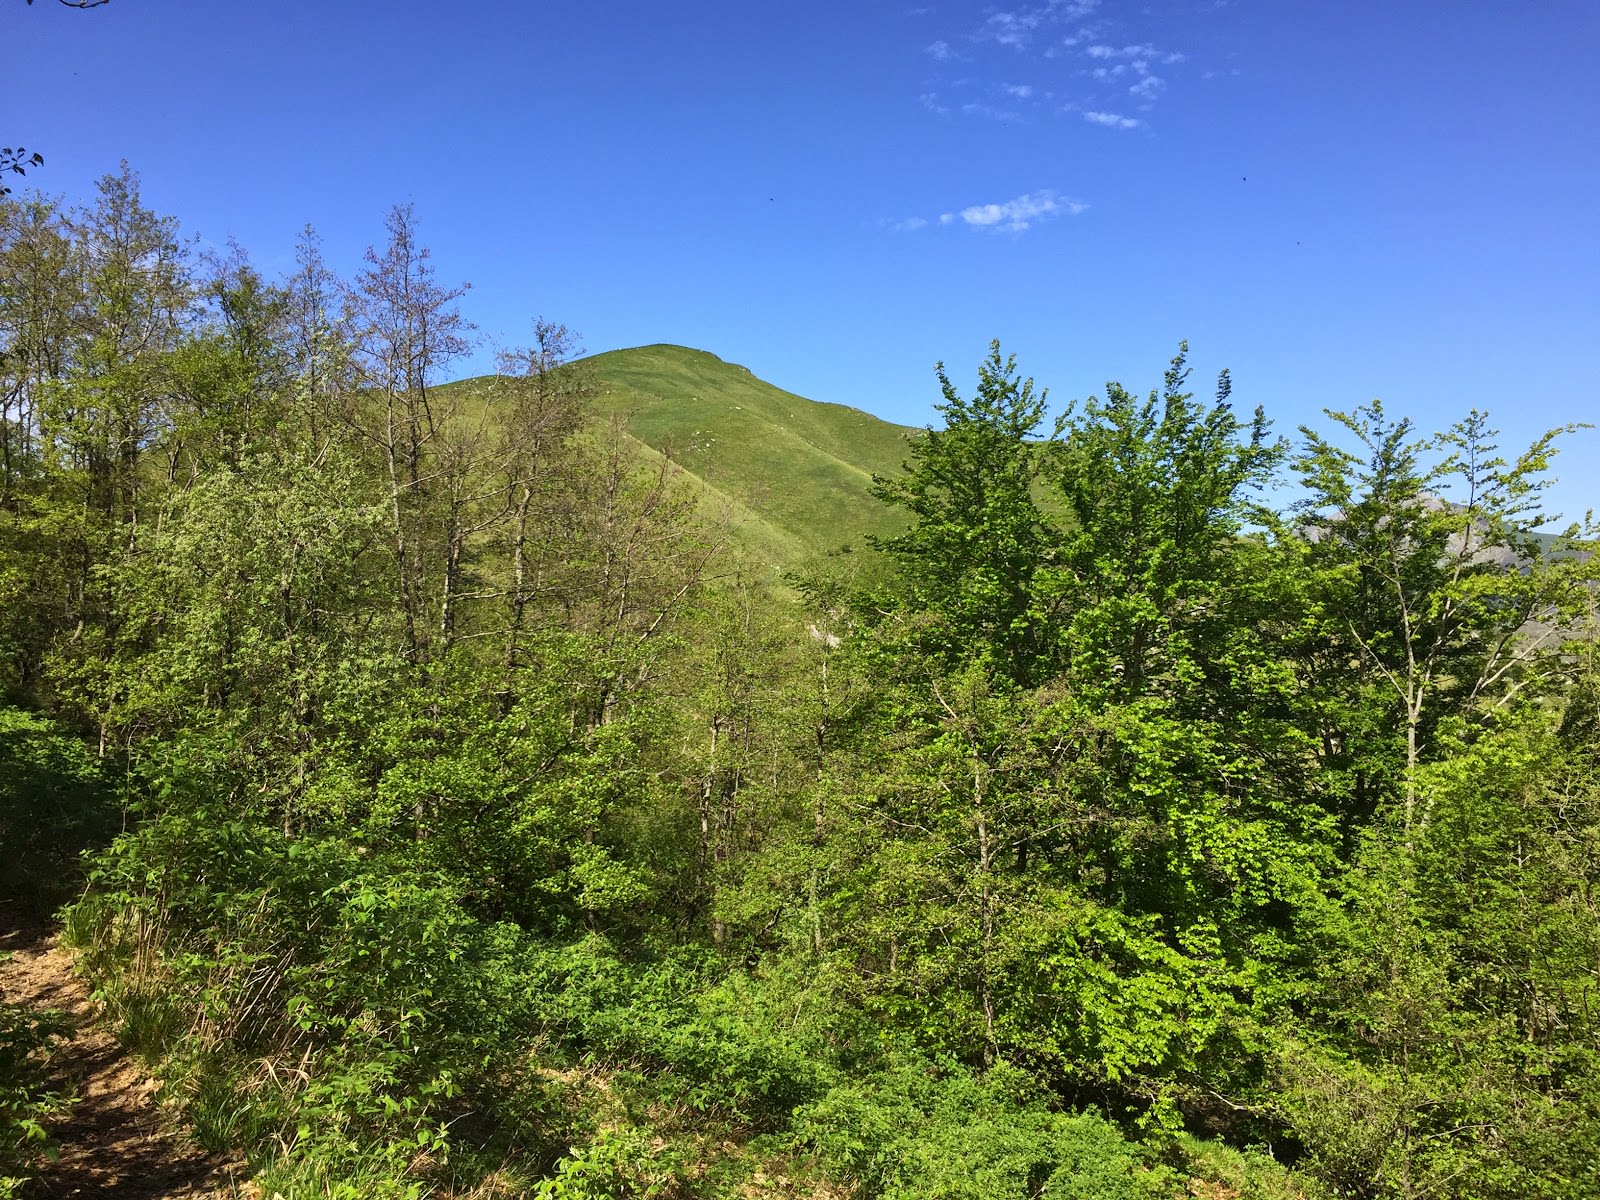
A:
(465, 808)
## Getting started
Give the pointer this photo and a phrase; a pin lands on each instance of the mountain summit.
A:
(795, 468)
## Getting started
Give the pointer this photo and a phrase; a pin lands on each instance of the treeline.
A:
(463, 818)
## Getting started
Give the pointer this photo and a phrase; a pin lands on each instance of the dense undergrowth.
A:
(460, 819)
(28, 1096)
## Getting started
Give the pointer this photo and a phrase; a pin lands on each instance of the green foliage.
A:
(28, 1038)
(1431, 580)
(1158, 492)
(617, 1165)
(920, 1132)
(1461, 975)
(56, 800)
(250, 606)
(1094, 862)
(484, 823)
(714, 1046)
(223, 941)
(1251, 1174)
(977, 537)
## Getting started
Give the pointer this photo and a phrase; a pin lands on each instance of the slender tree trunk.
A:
(985, 915)
(519, 578)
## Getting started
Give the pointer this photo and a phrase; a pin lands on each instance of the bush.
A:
(920, 1132)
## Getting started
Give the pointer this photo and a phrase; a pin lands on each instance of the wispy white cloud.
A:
(930, 101)
(1015, 216)
(1117, 62)
(1064, 12)
(1148, 88)
(975, 108)
(1083, 54)
(1014, 29)
(1018, 27)
(1112, 120)
(1101, 50)
(1010, 216)
(1067, 45)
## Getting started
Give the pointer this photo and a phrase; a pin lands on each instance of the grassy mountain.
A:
(787, 476)
(792, 473)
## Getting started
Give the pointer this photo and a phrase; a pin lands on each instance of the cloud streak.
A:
(1018, 215)
(1112, 120)
(1006, 216)
(1101, 50)
(978, 109)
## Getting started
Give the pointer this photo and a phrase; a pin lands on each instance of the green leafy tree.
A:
(1445, 627)
(38, 298)
(1093, 865)
(407, 329)
(231, 379)
(1452, 1047)
(1157, 493)
(135, 305)
(978, 537)
(1431, 574)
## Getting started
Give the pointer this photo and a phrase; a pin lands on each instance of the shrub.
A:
(926, 1132)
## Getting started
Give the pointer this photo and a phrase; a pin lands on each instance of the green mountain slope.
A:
(787, 478)
(791, 473)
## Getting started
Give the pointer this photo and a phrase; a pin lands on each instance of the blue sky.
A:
(1338, 201)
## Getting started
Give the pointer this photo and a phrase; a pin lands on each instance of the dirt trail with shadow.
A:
(115, 1141)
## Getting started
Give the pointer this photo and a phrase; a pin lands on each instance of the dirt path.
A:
(116, 1141)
